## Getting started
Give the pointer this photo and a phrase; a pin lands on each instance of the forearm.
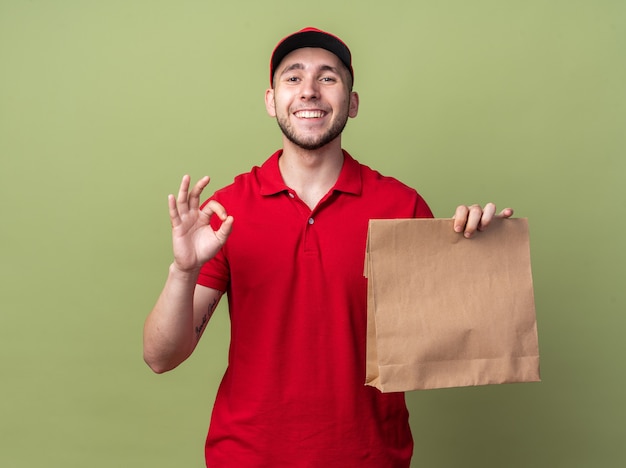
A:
(169, 336)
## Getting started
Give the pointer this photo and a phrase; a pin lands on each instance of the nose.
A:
(310, 89)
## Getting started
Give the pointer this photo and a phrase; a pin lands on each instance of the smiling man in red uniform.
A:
(292, 268)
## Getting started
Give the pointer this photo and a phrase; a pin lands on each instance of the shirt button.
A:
(291, 195)
(311, 220)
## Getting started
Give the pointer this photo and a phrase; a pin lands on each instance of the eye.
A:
(293, 79)
(328, 79)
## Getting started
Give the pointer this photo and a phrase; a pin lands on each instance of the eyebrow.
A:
(300, 66)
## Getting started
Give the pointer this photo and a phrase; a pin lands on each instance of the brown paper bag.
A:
(445, 311)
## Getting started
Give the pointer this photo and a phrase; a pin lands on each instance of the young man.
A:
(289, 254)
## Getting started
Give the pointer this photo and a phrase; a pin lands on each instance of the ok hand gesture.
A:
(193, 239)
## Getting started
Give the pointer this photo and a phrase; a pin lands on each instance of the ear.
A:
(270, 106)
(354, 104)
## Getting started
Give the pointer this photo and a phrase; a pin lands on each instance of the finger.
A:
(196, 191)
(183, 194)
(505, 213)
(173, 210)
(215, 207)
(488, 213)
(473, 220)
(460, 218)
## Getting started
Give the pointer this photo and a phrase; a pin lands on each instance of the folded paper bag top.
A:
(444, 311)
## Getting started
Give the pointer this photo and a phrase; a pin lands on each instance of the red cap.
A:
(311, 37)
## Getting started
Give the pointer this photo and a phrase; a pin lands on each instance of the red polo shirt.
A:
(293, 393)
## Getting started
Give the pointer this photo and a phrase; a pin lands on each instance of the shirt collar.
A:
(349, 180)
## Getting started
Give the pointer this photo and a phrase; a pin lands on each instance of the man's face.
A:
(311, 97)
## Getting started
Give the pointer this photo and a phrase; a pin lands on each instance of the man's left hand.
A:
(469, 219)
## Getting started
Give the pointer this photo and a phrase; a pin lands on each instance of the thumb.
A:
(225, 229)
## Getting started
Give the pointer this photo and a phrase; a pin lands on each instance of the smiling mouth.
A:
(309, 114)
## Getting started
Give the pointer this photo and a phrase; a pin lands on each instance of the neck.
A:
(311, 174)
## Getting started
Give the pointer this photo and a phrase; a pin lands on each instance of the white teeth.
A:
(309, 114)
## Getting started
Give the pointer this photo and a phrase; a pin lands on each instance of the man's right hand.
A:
(194, 240)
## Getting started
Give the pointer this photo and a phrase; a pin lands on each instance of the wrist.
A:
(184, 273)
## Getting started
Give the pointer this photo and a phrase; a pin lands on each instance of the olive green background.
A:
(105, 105)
